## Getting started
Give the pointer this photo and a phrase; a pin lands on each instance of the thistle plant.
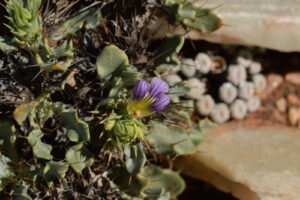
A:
(25, 22)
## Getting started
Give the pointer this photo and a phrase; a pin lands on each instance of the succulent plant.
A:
(25, 22)
(200, 19)
(246, 90)
(253, 103)
(220, 113)
(188, 67)
(196, 88)
(236, 74)
(167, 52)
(260, 82)
(228, 92)
(254, 68)
(203, 63)
(205, 105)
(238, 109)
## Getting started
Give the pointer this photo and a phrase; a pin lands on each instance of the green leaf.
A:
(55, 171)
(8, 137)
(40, 149)
(77, 130)
(174, 140)
(23, 110)
(19, 192)
(162, 181)
(167, 52)
(79, 158)
(89, 18)
(135, 158)
(6, 172)
(6, 45)
(110, 59)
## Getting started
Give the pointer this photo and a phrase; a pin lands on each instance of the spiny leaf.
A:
(109, 60)
(167, 52)
(79, 158)
(55, 171)
(22, 111)
(40, 149)
(8, 137)
(78, 130)
(5, 171)
(135, 158)
(19, 192)
(162, 181)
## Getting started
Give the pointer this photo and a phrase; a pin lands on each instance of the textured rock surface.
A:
(261, 163)
(267, 23)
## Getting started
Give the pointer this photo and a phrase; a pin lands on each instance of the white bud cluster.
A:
(236, 94)
(205, 105)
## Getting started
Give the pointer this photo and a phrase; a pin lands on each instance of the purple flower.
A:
(161, 102)
(155, 90)
(140, 89)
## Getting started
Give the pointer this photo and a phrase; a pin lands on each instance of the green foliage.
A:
(109, 60)
(174, 140)
(55, 171)
(88, 19)
(135, 158)
(25, 22)
(200, 19)
(77, 130)
(6, 172)
(19, 192)
(8, 140)
(40, 149)
(126, 131)
(79, 158)
(167, 53)
(152, 183)
(22, 112)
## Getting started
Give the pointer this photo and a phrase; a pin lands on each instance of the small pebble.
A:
(293, 99)
(273, 82)
(281, 105)
(293, 116)
(244, 62)
(293, 77)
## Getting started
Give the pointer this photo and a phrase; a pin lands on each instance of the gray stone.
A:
(251, 162)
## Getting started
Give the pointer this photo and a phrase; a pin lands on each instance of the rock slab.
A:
(261, 163)
(271, 24)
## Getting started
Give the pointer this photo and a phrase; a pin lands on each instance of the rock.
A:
(272, 20)
(281, 105)
(294, 115)
(293, 77)
(252, 163)
(273, 82)
(293, 99)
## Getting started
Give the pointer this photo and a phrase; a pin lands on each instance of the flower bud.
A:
(205, 104)
(227, 92)
(220, 113)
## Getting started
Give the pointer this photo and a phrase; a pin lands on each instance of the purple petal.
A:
(158, 87)
(140, 89)
(161, 102)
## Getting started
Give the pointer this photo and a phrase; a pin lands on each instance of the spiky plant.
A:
(228, 92)
(25, 22)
